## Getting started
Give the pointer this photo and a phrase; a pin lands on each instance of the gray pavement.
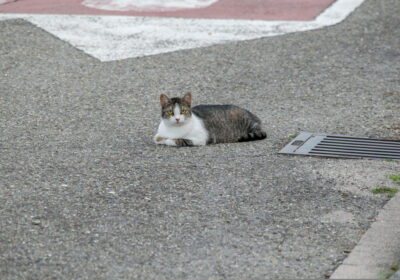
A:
(85, 194)
(377, 254)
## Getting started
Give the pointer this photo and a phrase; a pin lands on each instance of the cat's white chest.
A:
(193, 130)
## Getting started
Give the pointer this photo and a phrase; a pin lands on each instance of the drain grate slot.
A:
(307, 143)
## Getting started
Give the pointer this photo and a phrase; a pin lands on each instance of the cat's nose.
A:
(177, 120)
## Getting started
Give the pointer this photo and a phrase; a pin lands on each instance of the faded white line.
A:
(118, 37)
(147, 5)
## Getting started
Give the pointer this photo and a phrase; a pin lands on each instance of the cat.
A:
(182, 125)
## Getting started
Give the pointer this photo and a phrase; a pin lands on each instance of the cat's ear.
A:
(187, 98)
(164, 100)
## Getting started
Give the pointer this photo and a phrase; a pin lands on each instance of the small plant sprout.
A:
(395, 178)
(392, 271)
(385, 190)
(389, 160)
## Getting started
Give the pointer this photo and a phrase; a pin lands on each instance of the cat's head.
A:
(176, 110)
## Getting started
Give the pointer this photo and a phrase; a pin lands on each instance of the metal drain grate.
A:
(342, 146)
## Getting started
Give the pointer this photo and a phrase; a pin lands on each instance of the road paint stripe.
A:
(147, 5)
(119, 37)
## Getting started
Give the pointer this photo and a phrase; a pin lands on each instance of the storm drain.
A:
(339, 146)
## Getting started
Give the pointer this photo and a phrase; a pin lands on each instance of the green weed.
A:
(395, 178)
(393, 270)
(385, 190)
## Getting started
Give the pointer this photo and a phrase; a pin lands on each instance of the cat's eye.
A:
(183, 112)
(170, 113)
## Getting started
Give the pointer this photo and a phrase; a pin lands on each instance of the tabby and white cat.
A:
(182, 125)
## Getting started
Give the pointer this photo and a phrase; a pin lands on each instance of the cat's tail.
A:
(256, 133)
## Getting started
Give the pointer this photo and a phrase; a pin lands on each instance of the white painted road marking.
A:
(147, 5)
(119, 37)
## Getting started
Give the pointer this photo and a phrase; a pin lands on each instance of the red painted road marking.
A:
(223, 9)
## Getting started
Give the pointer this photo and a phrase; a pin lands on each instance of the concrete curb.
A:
(396, 275)
(378, 249)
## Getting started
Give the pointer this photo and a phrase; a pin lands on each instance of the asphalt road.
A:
(85, 194)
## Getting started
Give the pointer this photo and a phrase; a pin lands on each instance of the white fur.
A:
(191, 128)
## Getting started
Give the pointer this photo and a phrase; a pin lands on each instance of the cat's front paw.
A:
(158, 138)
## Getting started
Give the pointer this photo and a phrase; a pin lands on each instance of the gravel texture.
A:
(85, 194)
